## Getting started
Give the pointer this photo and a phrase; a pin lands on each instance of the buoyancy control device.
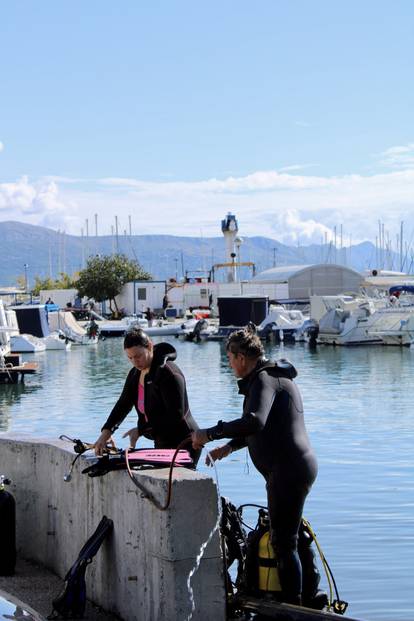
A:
(7, 529)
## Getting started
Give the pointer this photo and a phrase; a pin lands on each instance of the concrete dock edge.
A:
(141, 571)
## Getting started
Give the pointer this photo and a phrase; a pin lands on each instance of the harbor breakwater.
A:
(142, 570)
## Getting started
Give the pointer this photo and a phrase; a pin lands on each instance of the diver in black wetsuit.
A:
(273, 428)
(157, 389)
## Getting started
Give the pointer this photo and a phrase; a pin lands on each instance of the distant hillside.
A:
(48, 252)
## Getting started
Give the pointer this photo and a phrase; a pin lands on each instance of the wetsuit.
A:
(166, 416)
(273, 428)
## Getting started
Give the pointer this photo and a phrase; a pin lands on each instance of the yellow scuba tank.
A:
(268, 578)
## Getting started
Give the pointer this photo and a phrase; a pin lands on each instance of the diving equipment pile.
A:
(119, 459)
(257, 567)
(133, 460)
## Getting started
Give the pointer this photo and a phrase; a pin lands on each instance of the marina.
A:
(294, 312)
(359, 415)
(207, 311)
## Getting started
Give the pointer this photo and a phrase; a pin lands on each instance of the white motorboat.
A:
(279, 323)
(282, 323)
(348, 327)
(4, 334)
(157, 327)
(118, 327)
(394, 326)
(112, 327)
(57, 341)
(11, 368)
(64, 323)
(26, 344)
(166, 328)
(354, 321)
(31, 330)
(197, 330)
(18, 343)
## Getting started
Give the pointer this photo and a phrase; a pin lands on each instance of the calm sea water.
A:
(360, 417)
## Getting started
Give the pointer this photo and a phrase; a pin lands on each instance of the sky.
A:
(295, 116)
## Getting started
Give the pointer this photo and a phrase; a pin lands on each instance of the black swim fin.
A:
(71, 601)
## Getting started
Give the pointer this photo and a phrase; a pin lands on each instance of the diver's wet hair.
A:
(245, 342)
(135, 337)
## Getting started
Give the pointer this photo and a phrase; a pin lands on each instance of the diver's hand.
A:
(102, 441)
(218, 453)
(133, 436)
(199, 438)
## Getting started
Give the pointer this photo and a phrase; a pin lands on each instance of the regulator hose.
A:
(147, 494)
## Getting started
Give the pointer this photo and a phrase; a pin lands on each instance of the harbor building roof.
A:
(280, 274)
(317, 279)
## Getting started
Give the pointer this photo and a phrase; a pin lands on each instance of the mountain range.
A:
(39, 251)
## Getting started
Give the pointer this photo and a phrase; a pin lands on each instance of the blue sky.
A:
(296, 116)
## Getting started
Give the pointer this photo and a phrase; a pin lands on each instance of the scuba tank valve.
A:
(79, 447)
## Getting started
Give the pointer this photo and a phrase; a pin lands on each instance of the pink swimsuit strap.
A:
(141, 400)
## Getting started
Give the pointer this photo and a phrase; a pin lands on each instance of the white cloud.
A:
(293, 167)
(35, 203)
(295, 228)
(257, 181)
(290, 208)
(1, 146)
(287, 207)
(399, 157)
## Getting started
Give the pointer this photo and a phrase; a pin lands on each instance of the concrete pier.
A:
(142, 570)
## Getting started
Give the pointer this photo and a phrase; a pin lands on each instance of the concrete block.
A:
(142, 571)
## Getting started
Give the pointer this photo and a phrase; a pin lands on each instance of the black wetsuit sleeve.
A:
(238, 443)
(238, 428)
(123, 406)
(256, 410)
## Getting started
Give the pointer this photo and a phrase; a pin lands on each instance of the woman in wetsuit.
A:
(272, 427)
(157, 389)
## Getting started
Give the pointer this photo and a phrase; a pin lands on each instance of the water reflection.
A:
(10, 394)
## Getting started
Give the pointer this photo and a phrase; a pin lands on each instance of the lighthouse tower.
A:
(229, 228)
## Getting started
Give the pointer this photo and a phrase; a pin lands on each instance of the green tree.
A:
(42, 283)
(64, 282)
(104, 276)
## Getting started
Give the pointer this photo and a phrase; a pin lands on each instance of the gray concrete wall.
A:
(141, 572)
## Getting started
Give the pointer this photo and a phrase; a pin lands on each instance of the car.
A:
(12, 608)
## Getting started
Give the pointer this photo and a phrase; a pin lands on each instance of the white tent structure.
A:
(303, 281)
